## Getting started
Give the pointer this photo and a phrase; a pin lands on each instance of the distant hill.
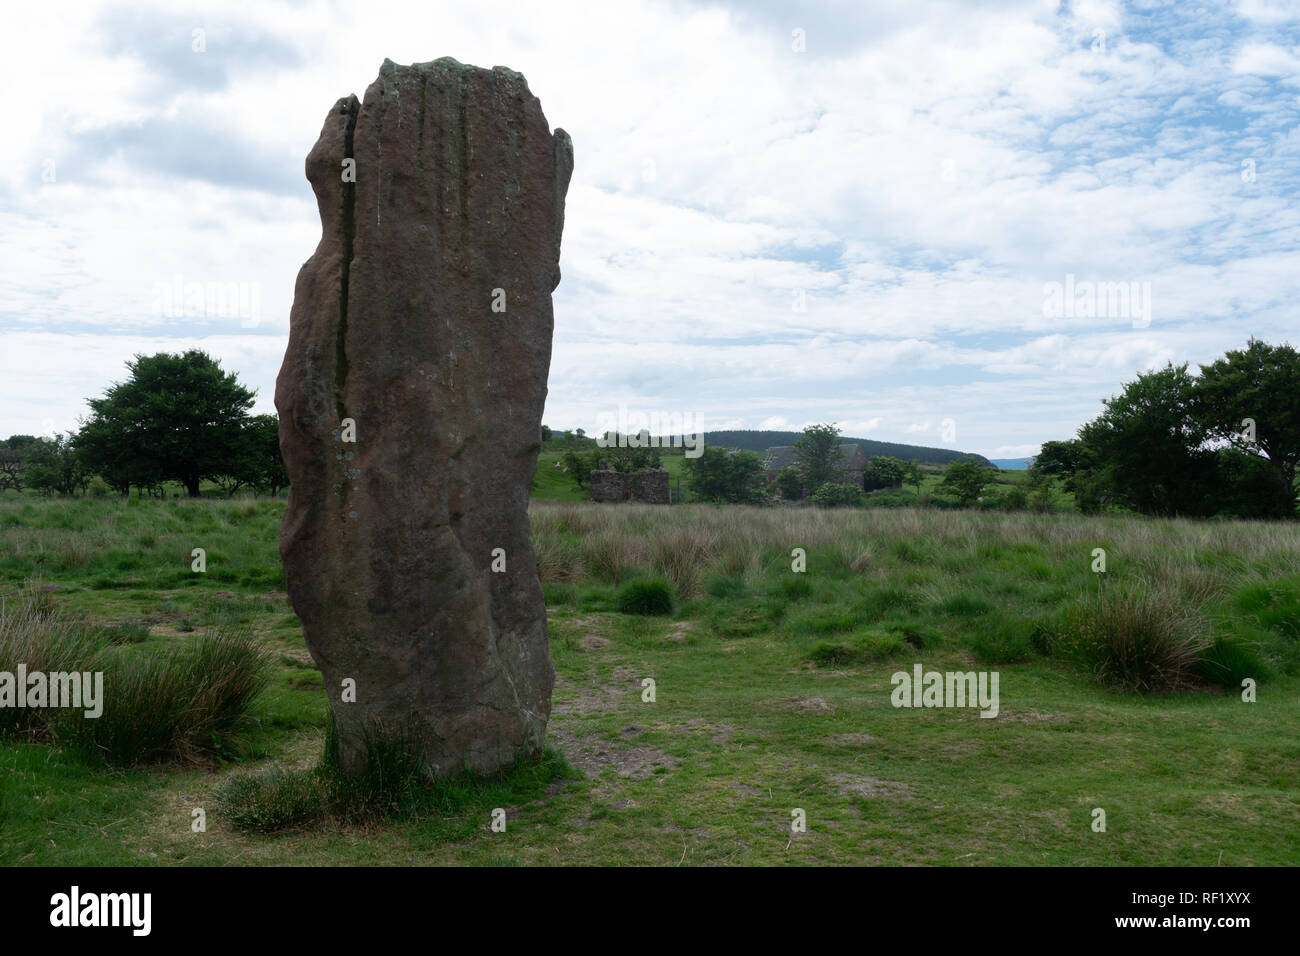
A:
(761, 441)
(1012, 464)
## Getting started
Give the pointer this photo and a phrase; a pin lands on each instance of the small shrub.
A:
(391, 771)
(790, 483)
(653, 596)
(836, 495)
(1014, 498)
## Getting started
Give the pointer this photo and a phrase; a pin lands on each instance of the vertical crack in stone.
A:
(349, 234)
(463, 172)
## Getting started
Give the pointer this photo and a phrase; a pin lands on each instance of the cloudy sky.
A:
(780, 213)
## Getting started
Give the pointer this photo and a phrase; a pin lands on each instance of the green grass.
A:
(772, 692)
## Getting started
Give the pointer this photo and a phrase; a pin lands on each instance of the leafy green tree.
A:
(884, 471)
(55, 467)
(1058, 459)
(726, 477)
(1038, 485)
(14, 452)
(255, 459)
(817, 454)
(1015, 498)
(965, 479)
(913, 475)
(1256, 386)
(577, 466)
(1247, 487)
(263, 433)
(177, 418)
(790, 483)
(1146, 448)
(1078, 470)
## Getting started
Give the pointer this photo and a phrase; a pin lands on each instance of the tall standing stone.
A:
(410, 404)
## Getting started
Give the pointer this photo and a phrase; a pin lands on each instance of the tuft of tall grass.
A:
(168, 704)
(1229, 661)
(610, 555)
(272, 801)
(559, 557)
(176, 703)
(35, 635)
(649, 597)
(1137, 638)
(682, 555)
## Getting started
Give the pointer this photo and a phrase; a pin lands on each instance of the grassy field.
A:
(772, 692)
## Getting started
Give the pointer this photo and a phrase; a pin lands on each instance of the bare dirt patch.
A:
(680, 631)
(853, 740)
(809, 705)
(718, 733)
(1031, 717)
(855, 785)
(596, 696)
(592, 754)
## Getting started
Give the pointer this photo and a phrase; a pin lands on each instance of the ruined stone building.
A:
(649, 486)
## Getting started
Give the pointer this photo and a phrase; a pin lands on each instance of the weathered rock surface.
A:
(389, 541)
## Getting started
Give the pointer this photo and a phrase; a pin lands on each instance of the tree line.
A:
(177, 418)
(1222, 443)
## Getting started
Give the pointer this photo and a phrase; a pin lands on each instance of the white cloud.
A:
(913, 180)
